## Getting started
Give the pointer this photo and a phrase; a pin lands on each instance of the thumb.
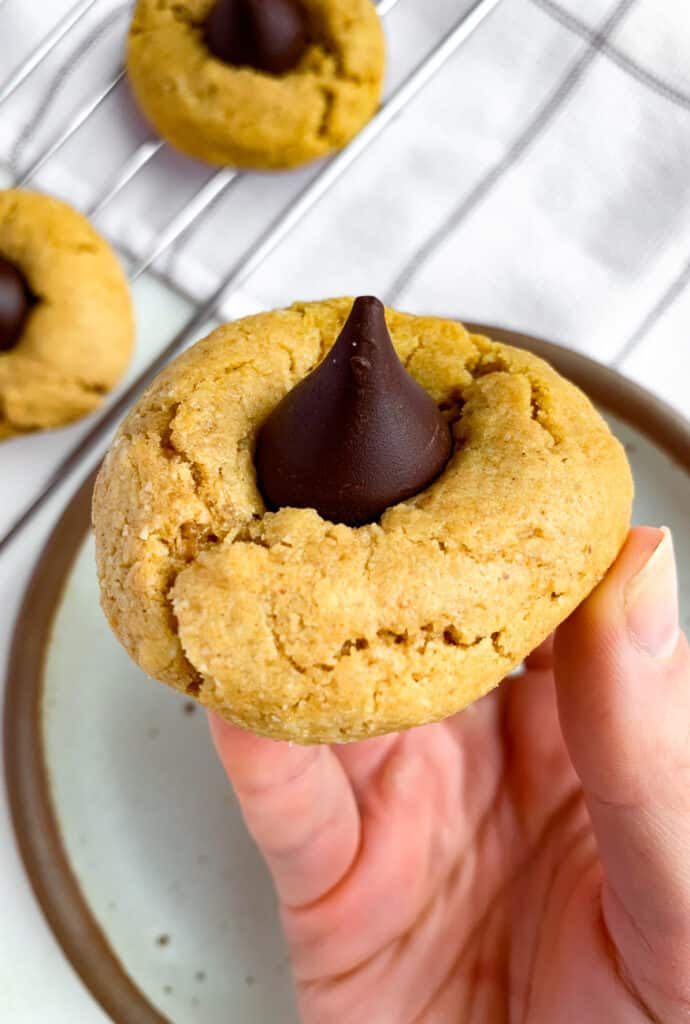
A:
(623, 682)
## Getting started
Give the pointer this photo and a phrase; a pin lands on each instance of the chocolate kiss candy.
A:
(357, 435)
(269, 35)
(15, 303)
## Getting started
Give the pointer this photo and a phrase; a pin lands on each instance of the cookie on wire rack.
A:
(265, 84)
(66, 316)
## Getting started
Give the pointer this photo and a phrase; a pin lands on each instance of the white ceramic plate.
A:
(129, 830)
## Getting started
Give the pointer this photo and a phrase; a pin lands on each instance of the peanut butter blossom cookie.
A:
(325, 531)
(66, 320)
(256, 83)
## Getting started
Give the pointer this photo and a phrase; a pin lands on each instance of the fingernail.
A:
(651, 601)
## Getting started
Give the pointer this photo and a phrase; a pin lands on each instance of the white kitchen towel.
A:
(541, 180)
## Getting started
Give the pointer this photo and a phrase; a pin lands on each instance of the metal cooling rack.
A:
(190, 213)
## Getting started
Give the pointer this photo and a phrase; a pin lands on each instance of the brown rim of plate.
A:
(34, 817)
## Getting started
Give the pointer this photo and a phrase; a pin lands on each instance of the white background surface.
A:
(580, 241)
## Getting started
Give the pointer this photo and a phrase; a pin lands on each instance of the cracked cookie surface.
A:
(304, 630)
(242, 117)
(78, 337)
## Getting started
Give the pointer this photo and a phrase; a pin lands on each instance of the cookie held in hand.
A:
(266, 84)
(66, 317)
(301, 627)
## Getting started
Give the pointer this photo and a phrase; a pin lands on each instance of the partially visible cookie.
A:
(241, 116)
(303, 629)
(75, 339)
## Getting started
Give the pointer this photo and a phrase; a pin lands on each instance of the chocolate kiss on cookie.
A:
(15, 304)
(269, 35)
(357, 435)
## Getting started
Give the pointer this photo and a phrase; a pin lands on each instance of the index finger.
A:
(299, 807)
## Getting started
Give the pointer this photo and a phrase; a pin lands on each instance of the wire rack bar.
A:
(265, 245)
(135, 163)
(384, 7)
(190, 212)
(72, 127)
(47, 44)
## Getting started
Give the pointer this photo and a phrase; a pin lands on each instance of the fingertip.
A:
(541, 658)
(227, 738)
(596, 634)
(254, 762)
(651, 602)
(221, 731)
(297, 804)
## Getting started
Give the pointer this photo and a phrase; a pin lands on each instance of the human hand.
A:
(500, 865)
